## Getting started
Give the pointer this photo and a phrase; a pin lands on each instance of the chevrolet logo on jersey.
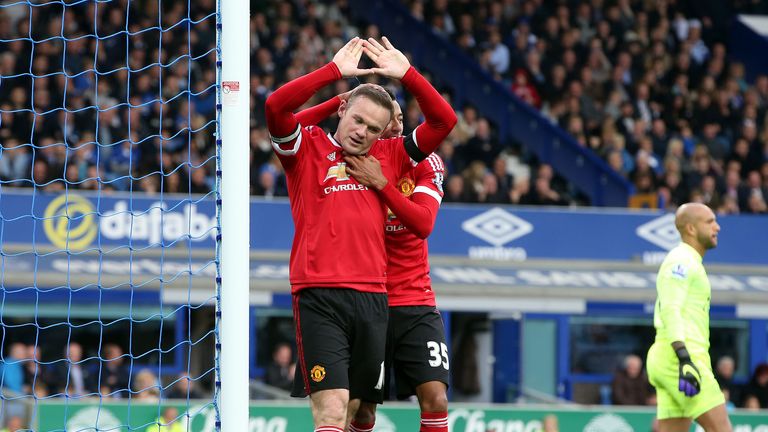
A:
(338, 171)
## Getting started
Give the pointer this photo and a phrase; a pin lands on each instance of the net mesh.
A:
(108, 221)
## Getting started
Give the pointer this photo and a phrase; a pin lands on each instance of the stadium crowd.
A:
(647, 85)
(93, 107)
(80, 373)
(77, 374)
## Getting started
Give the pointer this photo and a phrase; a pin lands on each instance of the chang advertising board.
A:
(73, 222)
(201, 416)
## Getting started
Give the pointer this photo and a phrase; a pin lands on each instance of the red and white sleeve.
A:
(284, 128)
(419, 213)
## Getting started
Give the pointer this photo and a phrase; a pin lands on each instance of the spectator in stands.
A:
(280, 372)
(184, 388)
(753, 194)
(709, 193)
(114, 372)
(145, 386)
(751, 403)
(758, 386)
(455, 191)
(13, 424)
(729, 405)
(550, 424)
(630, 385)
(483, 146)
(724, 371)
(673, 190)
(12, 368)
(14, 159)
(71, 374)
(505, 181)
(169, 421)
(543, 192)
(36, 375)
(498, 53)
(466, 124)
(525, 90)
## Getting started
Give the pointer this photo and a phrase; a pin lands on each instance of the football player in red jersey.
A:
(416, 337)
(338, 258)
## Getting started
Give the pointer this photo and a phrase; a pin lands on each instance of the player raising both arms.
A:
(416, 337)
(338, 259)
(678, 362)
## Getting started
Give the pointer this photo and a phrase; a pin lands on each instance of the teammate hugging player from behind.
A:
(678, 362)
(338, 261)
(416, 337)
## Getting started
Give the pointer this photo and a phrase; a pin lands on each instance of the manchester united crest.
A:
(317, 373)
(405, 186)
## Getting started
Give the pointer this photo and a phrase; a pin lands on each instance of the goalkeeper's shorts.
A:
(663, 373)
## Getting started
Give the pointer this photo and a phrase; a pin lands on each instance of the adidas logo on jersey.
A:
(338, 171)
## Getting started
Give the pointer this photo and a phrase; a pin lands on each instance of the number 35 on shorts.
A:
(438, 354)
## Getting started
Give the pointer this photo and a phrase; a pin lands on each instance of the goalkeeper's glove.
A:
(690, 378)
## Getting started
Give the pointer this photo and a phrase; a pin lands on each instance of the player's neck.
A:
(696, 246)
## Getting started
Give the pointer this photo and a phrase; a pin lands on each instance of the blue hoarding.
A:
(510, 233)
(82, 222)
(502, 233)
(572, 234)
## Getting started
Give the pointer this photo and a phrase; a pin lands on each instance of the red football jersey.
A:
(338, 241)
(408, 281)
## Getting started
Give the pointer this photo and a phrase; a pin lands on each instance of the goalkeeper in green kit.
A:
(678, 362)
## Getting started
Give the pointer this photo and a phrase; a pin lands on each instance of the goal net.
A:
(108, 214)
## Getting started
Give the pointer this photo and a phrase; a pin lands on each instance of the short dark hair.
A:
(375, 94)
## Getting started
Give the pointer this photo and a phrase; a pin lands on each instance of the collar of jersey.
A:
(333, 141)
(692, 251)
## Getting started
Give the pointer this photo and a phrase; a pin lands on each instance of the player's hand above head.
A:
(366, 170)
(390, 61)
(348, 59)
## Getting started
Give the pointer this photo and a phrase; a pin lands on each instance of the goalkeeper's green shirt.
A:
(682, 302)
